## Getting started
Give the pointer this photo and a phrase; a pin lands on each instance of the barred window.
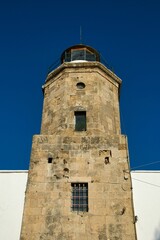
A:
(80, 121)
(79, 197)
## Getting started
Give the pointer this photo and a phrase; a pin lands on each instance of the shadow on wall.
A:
(157, 233)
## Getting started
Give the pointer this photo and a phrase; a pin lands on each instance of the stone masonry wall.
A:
(48, 213)
(99, 98)
(98, 156)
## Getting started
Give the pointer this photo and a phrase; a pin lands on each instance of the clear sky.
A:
(33, 34)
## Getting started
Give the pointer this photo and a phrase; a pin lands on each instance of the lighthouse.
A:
(79, 184)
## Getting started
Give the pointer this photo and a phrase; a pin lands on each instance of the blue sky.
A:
(33, 34)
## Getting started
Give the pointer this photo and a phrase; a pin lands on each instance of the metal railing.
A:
(87, 57)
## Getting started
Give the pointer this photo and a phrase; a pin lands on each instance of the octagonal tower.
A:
(79, 184)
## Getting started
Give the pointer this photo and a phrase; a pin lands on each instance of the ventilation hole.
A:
(64, 161)
(66, 170)
(80, 85)
(106, 160)
(50, 160)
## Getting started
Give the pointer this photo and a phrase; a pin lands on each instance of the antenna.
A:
(80, 35)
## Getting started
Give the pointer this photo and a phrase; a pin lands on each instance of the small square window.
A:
(80, 121)
(50, 160)
(79, 197)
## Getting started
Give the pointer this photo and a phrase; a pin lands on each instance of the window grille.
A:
(79, 197)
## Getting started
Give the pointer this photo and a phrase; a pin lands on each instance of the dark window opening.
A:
(79, 197)
(50, 160)
(80, 121)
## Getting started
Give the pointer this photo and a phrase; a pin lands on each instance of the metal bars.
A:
(79, 197)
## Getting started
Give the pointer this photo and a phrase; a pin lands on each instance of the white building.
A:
(12, 192)
(146, 196)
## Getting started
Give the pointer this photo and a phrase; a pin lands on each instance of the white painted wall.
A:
(12, 193)
(146, 195)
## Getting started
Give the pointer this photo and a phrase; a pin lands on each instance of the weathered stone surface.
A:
(98, 156)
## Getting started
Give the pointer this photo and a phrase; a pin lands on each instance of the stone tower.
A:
(79, 185)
